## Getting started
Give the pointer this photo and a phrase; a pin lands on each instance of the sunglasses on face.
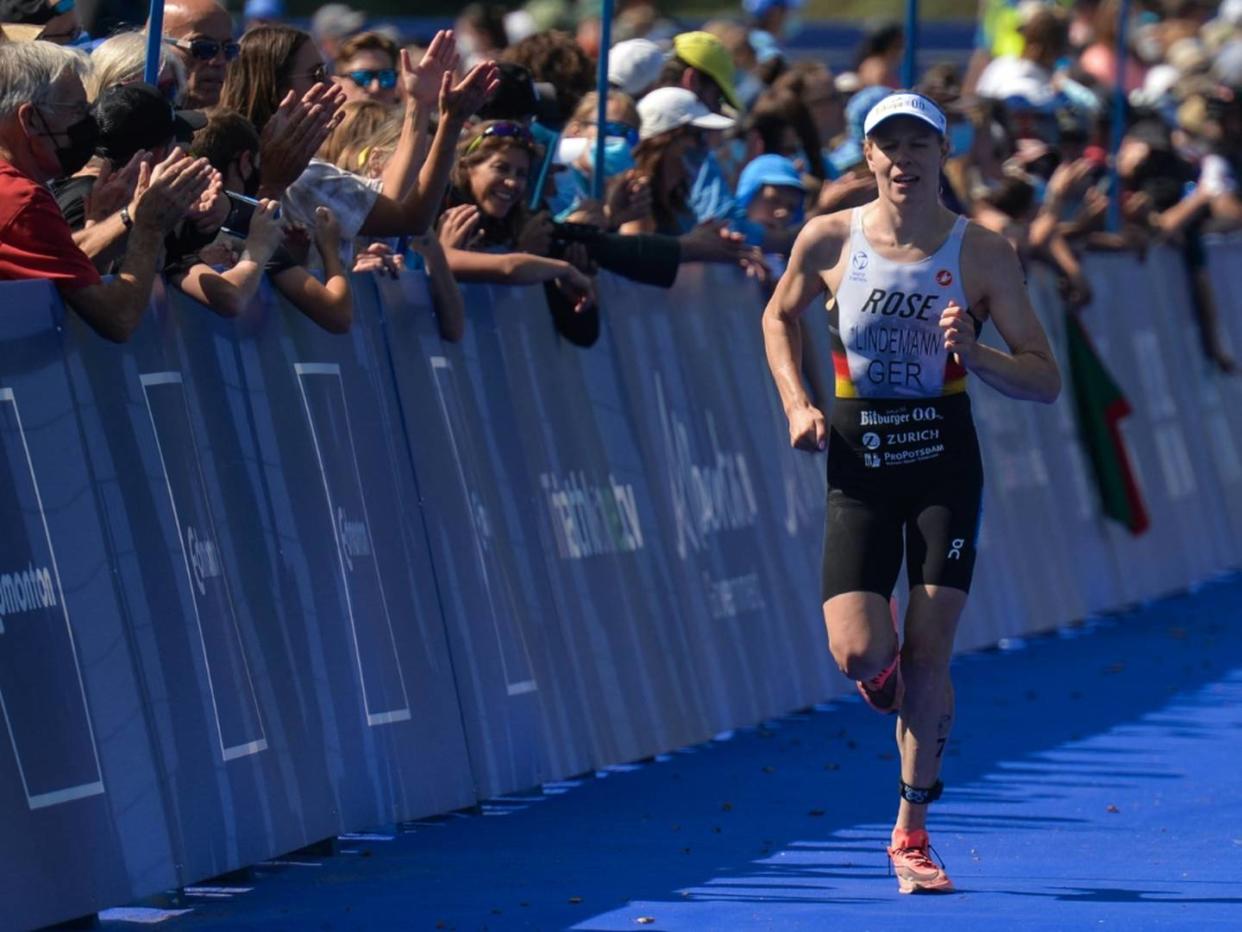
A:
(208, 49)
(387, 77)
(503, 129)
(622, 131)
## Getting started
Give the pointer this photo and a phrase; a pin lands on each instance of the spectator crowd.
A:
(304, 155)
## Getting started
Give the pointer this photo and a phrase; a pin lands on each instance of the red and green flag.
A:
(1100, 405)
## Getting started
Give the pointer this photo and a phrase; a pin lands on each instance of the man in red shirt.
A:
(47, 132)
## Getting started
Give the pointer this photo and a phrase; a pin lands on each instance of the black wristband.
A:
(126, 219)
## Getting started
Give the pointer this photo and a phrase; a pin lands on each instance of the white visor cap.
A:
(911, 105)
(668, 108)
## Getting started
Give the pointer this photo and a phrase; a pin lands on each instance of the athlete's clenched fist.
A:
(959, 332)
(807, 430)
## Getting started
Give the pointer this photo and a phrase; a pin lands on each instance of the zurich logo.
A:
(871, 440)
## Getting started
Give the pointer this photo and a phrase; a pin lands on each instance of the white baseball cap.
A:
(668, 108)
(634, 65)
(911, 105)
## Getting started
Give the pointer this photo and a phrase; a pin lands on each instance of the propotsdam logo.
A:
(26, 591)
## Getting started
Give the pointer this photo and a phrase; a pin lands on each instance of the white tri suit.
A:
(903, 457)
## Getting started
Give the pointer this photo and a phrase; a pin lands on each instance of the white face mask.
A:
(572, 149)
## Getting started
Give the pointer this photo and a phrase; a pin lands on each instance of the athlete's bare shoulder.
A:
(989, 262)
(822, 238)
(984, 246)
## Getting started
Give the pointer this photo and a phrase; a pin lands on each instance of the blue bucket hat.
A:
(767, 169)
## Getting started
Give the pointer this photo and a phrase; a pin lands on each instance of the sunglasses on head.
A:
(208, 49)
(387, 77)
(504, 129)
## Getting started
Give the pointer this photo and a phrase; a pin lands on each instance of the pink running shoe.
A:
(910, 859)
(884, 691)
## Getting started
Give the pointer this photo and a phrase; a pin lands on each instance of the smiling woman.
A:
(493, 166)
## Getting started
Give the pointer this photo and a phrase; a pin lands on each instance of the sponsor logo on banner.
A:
(707, 497)
(591, 519)
(871, 440)
(728, 598)
(27, 590)
(204, 558)
(355, 538)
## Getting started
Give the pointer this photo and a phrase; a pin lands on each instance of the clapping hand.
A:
(114, 189)
(421, 83)
(294, 134)
(460, 101)
(459, 227)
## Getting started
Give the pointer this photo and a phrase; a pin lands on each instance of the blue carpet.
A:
(1094, 782)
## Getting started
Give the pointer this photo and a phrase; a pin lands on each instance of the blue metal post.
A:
(1119, 118)
(909, 63)
(155, 36)
(601, 84)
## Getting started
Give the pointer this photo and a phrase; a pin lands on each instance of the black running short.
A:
(903, 476)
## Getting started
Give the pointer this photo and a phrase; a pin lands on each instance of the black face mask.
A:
(83, 137)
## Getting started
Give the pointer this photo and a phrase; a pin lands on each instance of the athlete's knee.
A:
(862, 658)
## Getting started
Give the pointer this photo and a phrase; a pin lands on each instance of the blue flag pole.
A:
(909, 61)
(601, 84)
(1119, 118)
(155, 37)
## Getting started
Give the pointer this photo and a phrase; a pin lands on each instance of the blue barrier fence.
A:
(260, 585)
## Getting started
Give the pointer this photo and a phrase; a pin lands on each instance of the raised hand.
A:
(460, 101)
(421, 83)
(1068, 178)
(294, 134)
(459, 226)
(212, 209)
(114, 189)
(176, 185)
(629, 199)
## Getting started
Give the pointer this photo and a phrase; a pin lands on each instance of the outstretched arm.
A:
(1028, 371)
(816, 250)
(413, 213)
